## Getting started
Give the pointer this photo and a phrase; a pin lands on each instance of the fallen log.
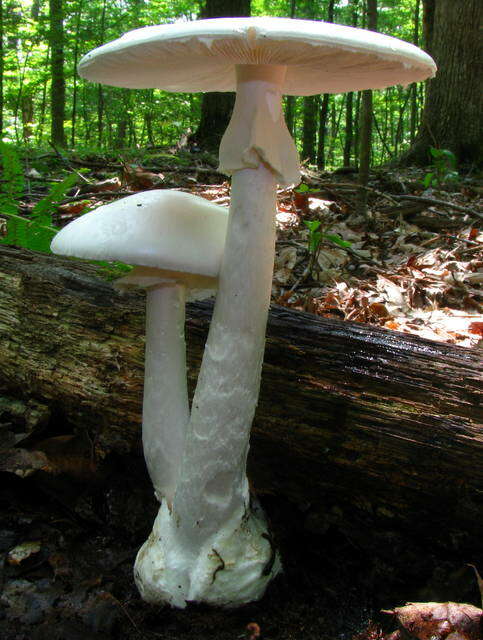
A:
(374, 434)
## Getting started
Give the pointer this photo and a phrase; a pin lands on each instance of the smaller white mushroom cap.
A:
(166, 230)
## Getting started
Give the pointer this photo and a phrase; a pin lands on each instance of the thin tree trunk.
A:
(414, 86)
(290, 114)
(43, 103)
(57, 89)
(216, 107)
(349, 132)
(76, 58)
(290, 100)
(323, 113)
(366, 125)
(100, 90)
(349, 112)
(309, 131)
(324, 108)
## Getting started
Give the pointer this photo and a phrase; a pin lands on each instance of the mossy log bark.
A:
(368, 431)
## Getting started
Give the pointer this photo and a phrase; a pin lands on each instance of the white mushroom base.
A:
(232, 568)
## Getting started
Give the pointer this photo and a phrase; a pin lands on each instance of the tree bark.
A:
(324, 106)
(374, 431)
(57, 89)
(414, 86)
(453, 113)
(309, 130)
(216, 107)
(366, 124)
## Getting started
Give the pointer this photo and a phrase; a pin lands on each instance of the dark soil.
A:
(79, 584)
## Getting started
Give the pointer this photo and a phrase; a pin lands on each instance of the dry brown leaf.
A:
(254, 630)
(73, 208)
(440, 620)
(111, 184)
(137, 178)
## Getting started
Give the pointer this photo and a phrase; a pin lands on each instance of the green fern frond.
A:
(42, 212)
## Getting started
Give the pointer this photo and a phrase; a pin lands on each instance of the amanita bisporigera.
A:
(176, 241)
(211, 545)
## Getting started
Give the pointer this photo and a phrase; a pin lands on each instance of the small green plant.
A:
(316, 237)
(443, 168)
(36, 231)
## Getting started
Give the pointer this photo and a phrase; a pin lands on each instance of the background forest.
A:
(42, 98)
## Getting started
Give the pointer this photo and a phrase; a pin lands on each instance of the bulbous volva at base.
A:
(231, 568)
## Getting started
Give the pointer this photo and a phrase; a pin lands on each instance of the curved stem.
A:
(165, 402)
(213, 488)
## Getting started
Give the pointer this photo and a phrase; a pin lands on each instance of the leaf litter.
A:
(409, 267)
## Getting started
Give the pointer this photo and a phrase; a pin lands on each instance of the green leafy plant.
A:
(315, 239)
(36, 231)
(443, 168)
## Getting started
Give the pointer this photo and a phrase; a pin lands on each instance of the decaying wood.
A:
(370, 431)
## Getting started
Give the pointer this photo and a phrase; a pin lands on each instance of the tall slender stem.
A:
(166, 414)
(213, 487)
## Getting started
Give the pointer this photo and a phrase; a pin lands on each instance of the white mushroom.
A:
(212, 547)
(178, 240)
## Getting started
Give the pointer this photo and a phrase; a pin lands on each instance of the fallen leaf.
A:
(476, 327)
(111, 184)
(137, 178)
(440, 621)
(254, 630)
(22, 551)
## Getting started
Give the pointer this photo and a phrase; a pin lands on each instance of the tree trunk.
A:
(324, 109)
(366, 125)
(349, 110)
(57, 89)
(216, 107)
(349, 132)
(309, 131)
(414, 86)
(76, 59)
(323, 114)
(290, 114)
(453, 113)
(377, 433)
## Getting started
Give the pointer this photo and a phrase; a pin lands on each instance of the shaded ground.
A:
(79, 543)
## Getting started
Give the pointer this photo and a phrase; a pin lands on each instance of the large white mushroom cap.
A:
(168, 230)
(201, 56)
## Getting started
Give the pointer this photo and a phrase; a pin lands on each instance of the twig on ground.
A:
(441, 203)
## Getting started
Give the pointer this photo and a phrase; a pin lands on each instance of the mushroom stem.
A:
(213, 546)
(165, 414)
(213, 486)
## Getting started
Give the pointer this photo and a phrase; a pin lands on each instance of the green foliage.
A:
(36, 231)
(444, 168)
(316, 236)
(103, 117)
(315, 240)
(11, 190)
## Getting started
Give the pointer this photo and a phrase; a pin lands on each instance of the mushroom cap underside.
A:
(201, 56)
(169, 230)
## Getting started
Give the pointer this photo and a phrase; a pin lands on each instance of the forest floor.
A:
(413, 264)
